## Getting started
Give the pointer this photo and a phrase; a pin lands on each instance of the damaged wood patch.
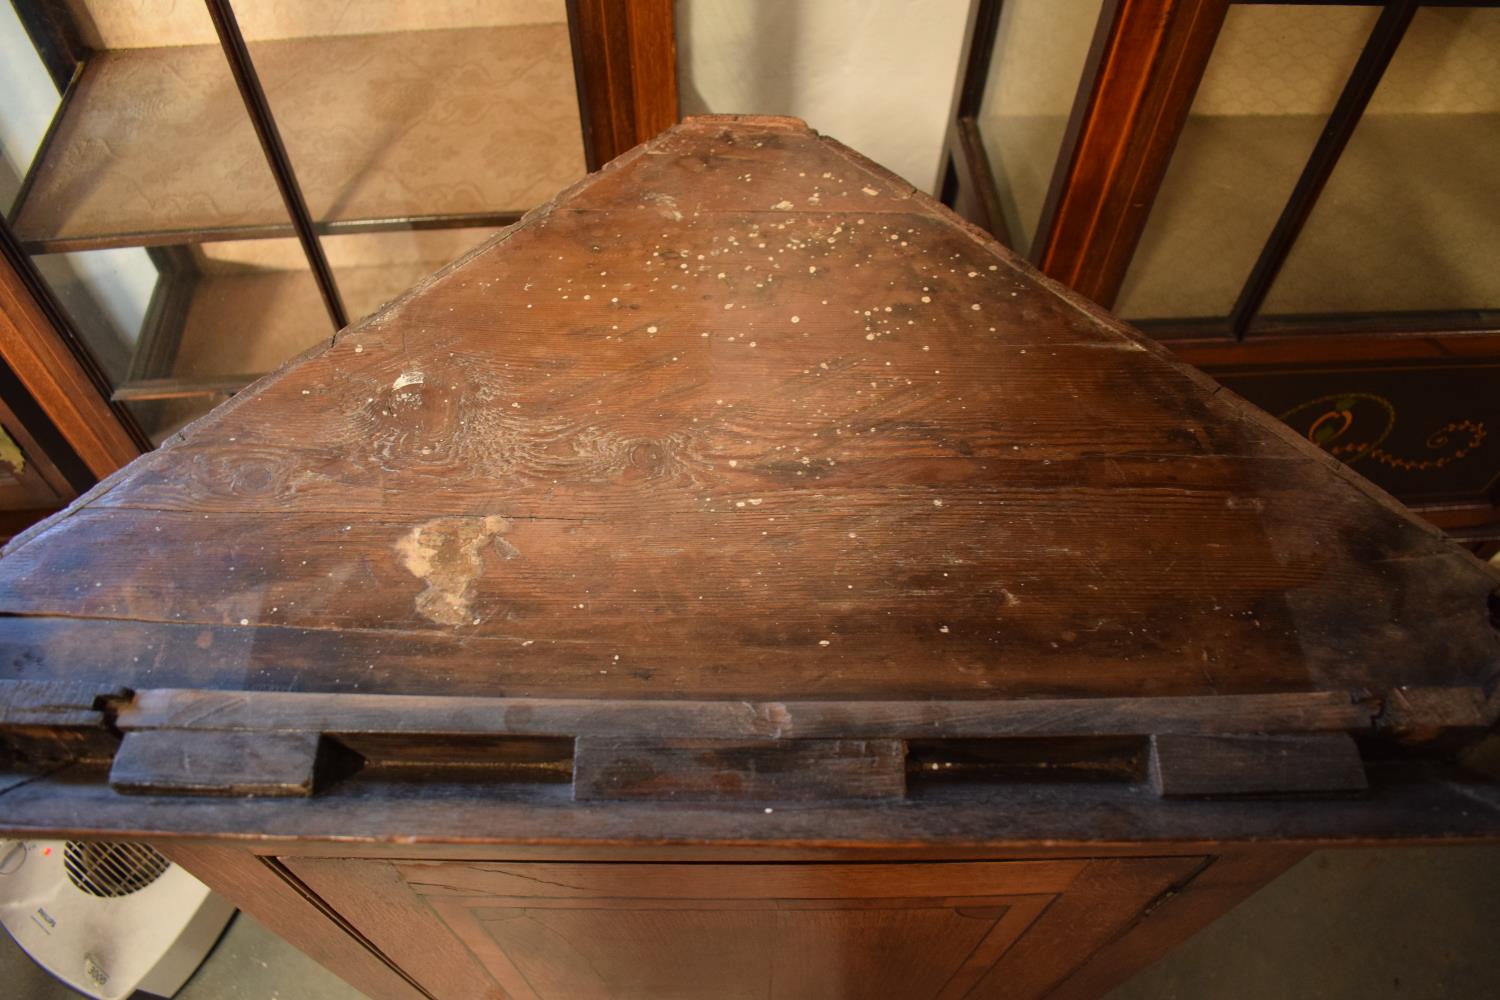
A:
(447, 553)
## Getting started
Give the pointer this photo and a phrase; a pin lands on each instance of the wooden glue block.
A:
(1201, 766)
(183, 762)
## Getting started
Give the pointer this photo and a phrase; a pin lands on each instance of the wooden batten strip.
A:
(45, 723)
(329, 713)
(51, 703)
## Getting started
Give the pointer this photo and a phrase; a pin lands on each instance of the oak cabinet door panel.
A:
(784, 931)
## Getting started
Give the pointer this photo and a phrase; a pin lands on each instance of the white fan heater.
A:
(107, 918)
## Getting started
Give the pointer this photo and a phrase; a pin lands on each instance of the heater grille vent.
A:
(110, 869)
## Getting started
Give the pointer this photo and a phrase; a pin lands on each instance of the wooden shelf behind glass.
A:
(466, 126)
(239, 310)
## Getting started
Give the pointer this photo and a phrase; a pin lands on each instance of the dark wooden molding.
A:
(625, 65)
(1153, 55)
(1215, 353)
(194, 763)
(182, 709)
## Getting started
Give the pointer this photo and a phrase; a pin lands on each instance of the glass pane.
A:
(153, 145)
(106, 293)
(124, 182)
(1410, 219)
(370, 269)
(1275, 74)
(446, 110)
(26, 109)
(1035, 69)
(374, 268)
(264, 288)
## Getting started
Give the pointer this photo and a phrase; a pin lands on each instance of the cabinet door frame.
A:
(1138, 82)
(625, 66)
(349, 907)
(1142, 72)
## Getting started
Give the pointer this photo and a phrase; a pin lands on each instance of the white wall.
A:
(878, 75)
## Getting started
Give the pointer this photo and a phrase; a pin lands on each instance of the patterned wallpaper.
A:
(1284, 59)
(1448, 62)
(130, 24)
(1408, 220)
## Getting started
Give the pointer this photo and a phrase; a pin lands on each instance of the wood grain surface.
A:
(744, 416)
(754, 771)
(647, 931)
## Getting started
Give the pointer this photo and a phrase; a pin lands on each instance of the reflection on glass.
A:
(1275, 74)
(29, 102)
(218, 319)
(370, 268)
(1038, 61)
(248, 306)
(374, 268)
(107, 294)
(1410, 218)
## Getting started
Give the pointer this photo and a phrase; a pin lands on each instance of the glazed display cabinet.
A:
(1301, 198)
(743, 579)
(196, 192)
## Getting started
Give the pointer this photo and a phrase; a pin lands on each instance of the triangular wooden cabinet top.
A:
(743, 417)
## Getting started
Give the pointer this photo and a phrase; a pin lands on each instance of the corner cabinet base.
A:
(578, 930)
